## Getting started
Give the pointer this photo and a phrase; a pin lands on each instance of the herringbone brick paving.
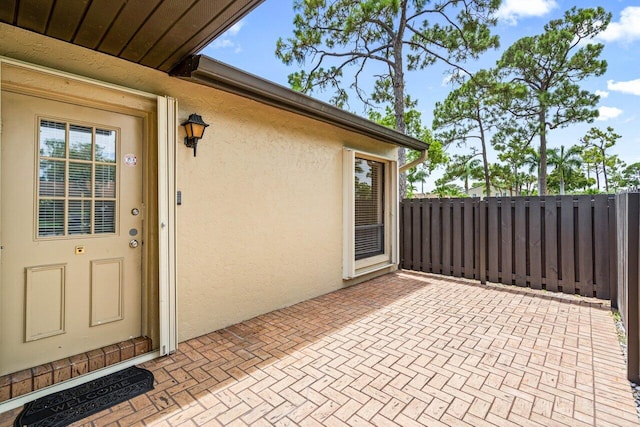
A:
(403, 349)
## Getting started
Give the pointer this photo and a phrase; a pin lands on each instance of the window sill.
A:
(372, 267)
(371, 261)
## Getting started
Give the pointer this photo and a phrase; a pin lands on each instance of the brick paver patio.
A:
(404, 349)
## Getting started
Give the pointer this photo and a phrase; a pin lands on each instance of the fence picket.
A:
(436, 243)
(506, 237)
(535, 244)
(493, 233)
(482, 228)
(520, 242)
(406, 235)
(585, 244)
(457, 236)
(567, 246)
(468, 237)
(601, 245)
(416, 237)
(446, 237)
(426, 235)
(551, 243)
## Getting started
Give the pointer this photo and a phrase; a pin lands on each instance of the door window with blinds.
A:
(77, 180)
(369, 208)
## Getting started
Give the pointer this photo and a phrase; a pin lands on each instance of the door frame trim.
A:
(167, 224)
(167, 135)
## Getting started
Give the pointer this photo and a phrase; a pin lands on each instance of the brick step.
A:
(38, 377)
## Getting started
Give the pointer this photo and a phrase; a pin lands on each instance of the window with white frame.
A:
(370, 223)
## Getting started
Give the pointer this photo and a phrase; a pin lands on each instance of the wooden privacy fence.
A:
(559, 243)
(628, 276)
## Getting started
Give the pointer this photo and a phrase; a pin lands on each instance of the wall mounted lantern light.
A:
(194, 126)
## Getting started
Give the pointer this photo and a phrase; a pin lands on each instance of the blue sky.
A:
(250, 46)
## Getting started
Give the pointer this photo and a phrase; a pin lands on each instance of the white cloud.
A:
(447, 79)
(235, 29)
(627, 29)
(222, 43)
(512, 10)
(602, 93)
(607, 113)
(631, 87)
(226, 40)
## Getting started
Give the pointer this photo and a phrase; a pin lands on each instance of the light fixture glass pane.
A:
(197, 130)
(52, 139)
(79, 179)
(105, 217)
(106, 181)
(79, 221)
(50, 218)
(80, 146)
(105, 146)
(52, 175)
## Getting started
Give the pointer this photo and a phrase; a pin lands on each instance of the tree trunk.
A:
(604, 173)
(485, 162)
(397, 79)
(561, 183)
(542, 168)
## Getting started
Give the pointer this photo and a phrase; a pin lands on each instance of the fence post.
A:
(628, 223)
(633, 283)
(613, 252)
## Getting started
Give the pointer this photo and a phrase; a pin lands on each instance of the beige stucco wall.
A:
(260, 226)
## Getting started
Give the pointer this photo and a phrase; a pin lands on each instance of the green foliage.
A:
(436, 155)
(384, 38)
(631, 175)
(467, 115)
(465, 168)
(543, 73)
(517, 155)
(595, 143)
(566, 172)
(448, 190)
(332, 36)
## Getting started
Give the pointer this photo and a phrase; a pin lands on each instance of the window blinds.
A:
(369, 208)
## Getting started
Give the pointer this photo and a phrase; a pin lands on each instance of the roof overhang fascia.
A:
(209, 72)
(155, 33)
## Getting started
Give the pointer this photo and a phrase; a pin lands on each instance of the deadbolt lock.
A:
(135, 211)
(133, 243)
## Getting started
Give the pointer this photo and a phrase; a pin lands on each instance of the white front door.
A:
(72, 218)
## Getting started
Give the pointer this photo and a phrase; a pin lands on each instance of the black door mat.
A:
(67, 406)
